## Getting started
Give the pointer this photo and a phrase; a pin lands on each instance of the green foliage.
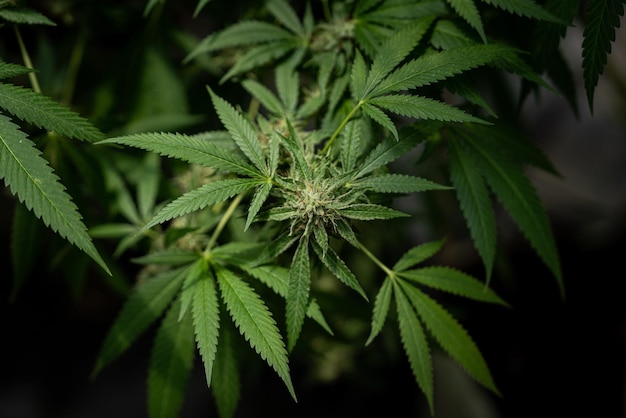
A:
(318, 120)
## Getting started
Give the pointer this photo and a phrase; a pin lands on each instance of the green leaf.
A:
(473, 196)
(370, 211)
(8, 70)
(417, 254)
(241, 130)
(225, 384)
(188, 148)
(358, 76)
(199, 7)
(350, 145)
(392, 51)
(415, 344)
(469, 12)
(288, 86)
(286, 15)
(196, 271)
(240, 34)
(258, 56)
(260, 196)
(381, 310)
(263, 95)
(148, 185)
(339, 269)
(206, 321)
(33, 181)
(526, 8)
(145, 304)
(433, 67)
(24, 15)
(422, 108)
(601, 19)
(206, 195)
(255, 322)
(386, 152)
(171, 360)
(43, 112)
(170, 256)
(515, 191)
(397, 183)
(450, 335)
(298, 291)
(277, 279)
(294, 145)
(447, 35)
(380, 117)
(453, 281)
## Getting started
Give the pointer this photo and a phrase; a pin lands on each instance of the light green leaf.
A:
(33, 181)
(381, 310)
(473, 196)
(241, 130)
(397, 183)
(195, 273)
(370, 211)
(417, 254)
(255, 322)
(148, 185)
(358, 76)
(288, 86)
(448, 35)
(260, 196)
(286, 15)
(422, 108)
(206, 195)
(350, 145)
(24, 15)
(453, 281)
(298, 291)
(263, 95)
(450, 335)
(145, 304)
(187, 148)
(206, 321)
(43, 112)
(294, 145)
(171, 360)
(415, 344)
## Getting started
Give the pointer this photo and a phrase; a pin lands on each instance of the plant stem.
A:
(327, 13)
(27, 62)
(340, 128)
(376, 261)
(220, 226)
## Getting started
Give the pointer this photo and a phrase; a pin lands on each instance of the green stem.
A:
(327, 13)
(376, 261)
(72, 71)
(220, 226)
(340, 128)
(27, 61)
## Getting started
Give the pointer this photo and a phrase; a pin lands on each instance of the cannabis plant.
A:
(327, 117)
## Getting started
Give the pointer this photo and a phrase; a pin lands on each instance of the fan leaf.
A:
(255, 322)
(33, 181)
(43, 112)
(171, 360)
